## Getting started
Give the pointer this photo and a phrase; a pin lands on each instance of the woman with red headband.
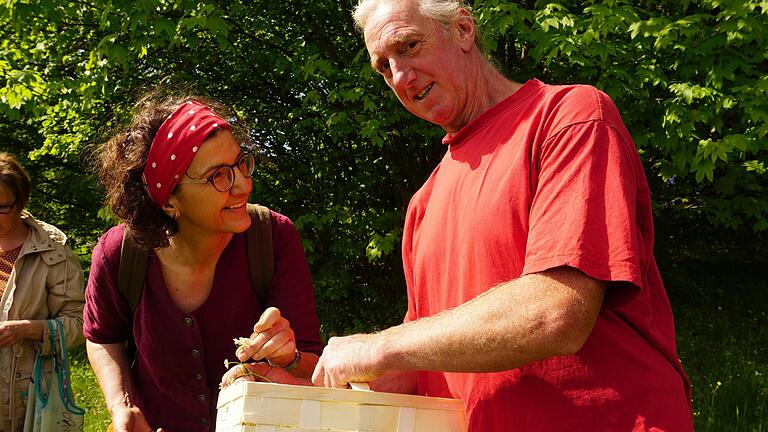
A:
(179, 180)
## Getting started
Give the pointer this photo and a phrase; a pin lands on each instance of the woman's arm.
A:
(110, 364)
(66, 298)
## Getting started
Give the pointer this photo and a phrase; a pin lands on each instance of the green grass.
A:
(87, 392)
(721, 316)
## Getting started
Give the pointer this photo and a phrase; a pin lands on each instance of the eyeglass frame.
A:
(232, 168)
(10, 207)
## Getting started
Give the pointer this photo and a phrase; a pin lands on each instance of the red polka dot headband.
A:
(175, 145)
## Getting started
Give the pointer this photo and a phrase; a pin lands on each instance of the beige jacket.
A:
(46, 282)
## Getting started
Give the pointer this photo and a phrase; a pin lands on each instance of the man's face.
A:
(424, 63)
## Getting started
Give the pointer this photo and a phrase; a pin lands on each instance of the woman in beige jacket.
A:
(40, 279)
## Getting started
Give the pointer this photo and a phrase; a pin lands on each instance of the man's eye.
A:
(411, 45)
(383, 67)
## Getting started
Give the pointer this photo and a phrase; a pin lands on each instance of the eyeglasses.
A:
(224, 177)
(5, 209)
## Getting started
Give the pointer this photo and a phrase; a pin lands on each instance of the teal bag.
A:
(50, 404)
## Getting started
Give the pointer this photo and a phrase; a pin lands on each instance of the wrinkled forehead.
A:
(392, 22)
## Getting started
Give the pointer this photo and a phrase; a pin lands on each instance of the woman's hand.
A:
(260, 372)
(17, 330)
(129, 419)
(272, 339)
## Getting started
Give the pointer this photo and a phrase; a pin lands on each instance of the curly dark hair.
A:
(120, 164)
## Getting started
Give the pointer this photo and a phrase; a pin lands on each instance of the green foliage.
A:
(87, 392)
(341, 156)
(689, 78)
(297, 74)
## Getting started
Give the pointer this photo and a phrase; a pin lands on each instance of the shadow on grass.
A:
(721, 316)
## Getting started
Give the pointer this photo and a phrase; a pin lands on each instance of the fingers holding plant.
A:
(272, 339)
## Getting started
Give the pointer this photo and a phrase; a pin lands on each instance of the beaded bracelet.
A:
(292, 365)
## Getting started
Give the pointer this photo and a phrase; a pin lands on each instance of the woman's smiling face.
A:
(200, 204)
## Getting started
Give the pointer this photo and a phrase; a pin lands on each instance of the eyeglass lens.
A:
(224, 177)
(7, 208)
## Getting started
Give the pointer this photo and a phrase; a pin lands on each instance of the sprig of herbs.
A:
(242, 342)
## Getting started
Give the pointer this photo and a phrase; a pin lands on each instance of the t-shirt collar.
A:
(479, 122)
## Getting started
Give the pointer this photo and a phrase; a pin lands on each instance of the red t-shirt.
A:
(180, 358)
(550, 177)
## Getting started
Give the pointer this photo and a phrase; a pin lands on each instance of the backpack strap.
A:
(258, 244)
(130, 281)
(132, 271)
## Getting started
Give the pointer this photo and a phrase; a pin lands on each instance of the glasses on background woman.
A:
(7, 208)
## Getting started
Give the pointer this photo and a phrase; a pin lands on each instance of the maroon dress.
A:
(180, 358)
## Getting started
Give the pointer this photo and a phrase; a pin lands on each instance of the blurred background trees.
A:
(342, 157)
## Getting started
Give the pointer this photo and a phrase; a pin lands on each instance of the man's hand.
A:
(272, 339)
(348, 359)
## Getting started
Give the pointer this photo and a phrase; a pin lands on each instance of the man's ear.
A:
(466, 28)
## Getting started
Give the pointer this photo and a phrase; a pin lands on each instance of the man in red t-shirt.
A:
(532, 289)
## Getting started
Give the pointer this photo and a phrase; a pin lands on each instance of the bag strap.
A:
(62, 365)
(131, 274)
(42, 387)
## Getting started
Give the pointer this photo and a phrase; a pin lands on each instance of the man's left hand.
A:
(348, 359)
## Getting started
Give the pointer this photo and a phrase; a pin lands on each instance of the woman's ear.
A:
(171, 208)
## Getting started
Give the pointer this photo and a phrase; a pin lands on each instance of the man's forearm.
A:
(531, 318)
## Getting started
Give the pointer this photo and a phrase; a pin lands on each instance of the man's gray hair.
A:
(443, 11)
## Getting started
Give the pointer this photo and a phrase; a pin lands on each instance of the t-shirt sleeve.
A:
(583, 213)
(291, 288)
(107, 315)
(407, 254)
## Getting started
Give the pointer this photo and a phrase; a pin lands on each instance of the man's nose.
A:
(402, 73)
